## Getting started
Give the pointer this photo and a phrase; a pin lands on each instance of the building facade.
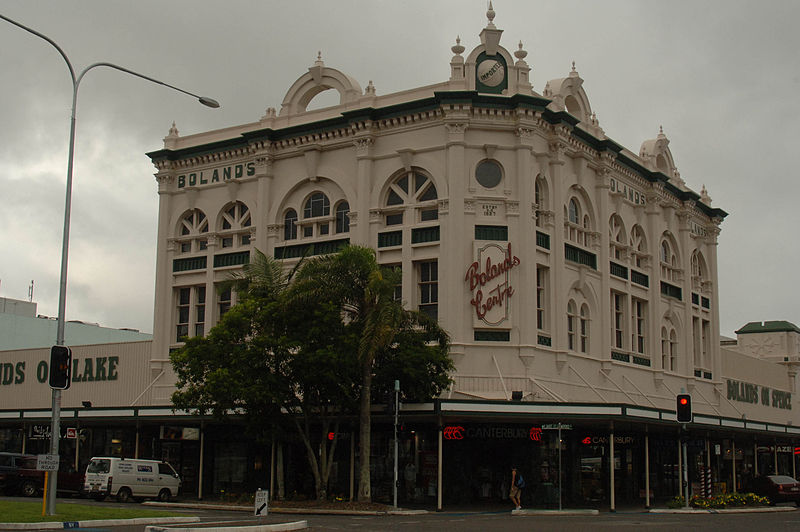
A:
(577, 279)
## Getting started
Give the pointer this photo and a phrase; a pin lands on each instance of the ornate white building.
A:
(610, 259)
(577, 279)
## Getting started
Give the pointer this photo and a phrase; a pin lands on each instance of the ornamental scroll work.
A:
(489, 281)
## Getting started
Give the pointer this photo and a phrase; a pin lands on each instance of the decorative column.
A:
(603, 317)
(653, 234)
(558, 304)
(359, 208)
(712, 243)
(685, 251)
(454, 256)
(523, 234)
(264, 175)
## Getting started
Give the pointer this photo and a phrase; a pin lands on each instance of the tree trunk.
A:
(279, 469)
(365, 428)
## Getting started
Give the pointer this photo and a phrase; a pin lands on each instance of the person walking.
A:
(517, 483)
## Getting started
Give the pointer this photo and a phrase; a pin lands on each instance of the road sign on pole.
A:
(261, 503)
(47, 462)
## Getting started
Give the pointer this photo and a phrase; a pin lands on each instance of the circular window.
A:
(488, 174)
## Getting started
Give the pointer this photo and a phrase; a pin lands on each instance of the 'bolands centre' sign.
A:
(489, 282)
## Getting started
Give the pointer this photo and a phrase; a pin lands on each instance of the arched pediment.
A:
(657, 157)
(319, 78)
(568, 95)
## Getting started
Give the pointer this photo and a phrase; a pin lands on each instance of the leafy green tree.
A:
(274, 362)
(412, 346)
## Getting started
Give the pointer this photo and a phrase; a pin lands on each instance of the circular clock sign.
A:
(491, 72)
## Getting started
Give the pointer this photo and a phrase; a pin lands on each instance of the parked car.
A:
(9, 464)
(130, 479)
(779, 488)
(30, 481)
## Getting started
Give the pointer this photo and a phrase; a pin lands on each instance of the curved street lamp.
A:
(62, 292)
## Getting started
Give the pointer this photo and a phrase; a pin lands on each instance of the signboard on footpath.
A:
(261, 503)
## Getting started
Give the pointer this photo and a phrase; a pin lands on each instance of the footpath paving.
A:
(153, 523)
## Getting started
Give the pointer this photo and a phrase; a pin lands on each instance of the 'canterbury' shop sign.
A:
(91, 369)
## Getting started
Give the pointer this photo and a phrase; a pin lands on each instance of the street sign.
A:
(261, 504)
(47, 462)
(72, 433)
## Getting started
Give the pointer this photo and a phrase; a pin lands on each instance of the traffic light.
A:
(60, 367)
(684, 408)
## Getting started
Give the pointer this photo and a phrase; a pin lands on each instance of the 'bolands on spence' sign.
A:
(489, 282)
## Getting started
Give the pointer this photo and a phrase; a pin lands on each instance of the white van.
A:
(130, 478)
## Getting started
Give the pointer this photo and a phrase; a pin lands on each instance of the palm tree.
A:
(364, 292)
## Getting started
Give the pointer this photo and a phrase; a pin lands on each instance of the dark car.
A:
(9, 465)
(30, 481)
(779, 488)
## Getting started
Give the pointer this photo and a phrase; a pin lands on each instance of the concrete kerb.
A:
(525, 512)
(60, 525)
(297, 525)
(758, 509)
(283, 510)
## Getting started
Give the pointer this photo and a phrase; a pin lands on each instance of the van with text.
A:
(130, 479)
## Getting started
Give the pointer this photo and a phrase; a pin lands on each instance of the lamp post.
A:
(55, 433)
(396, 411)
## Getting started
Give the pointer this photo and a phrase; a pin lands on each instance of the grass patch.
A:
(31, 512)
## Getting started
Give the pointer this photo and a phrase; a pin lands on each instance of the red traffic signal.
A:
(684, 408)
(60, 367)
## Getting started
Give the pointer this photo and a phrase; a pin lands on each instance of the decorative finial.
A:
(594, 118)
(704, 197)
(660, 130)
(173, 131)
(319, 55)
(370, 90)
(520, 54)
(490, 15)
(573, 66)
(547, 90)
(269, 113)
(458, 49)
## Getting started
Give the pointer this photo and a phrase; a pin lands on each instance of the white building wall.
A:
(444, 136)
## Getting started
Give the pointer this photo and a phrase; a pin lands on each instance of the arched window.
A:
(584, 329)
(574, 211)
(193, 223)
(191, 232)
(317, 205)
(669, 261)
(342, 218)
(673, 350)
(617, 237)
(572, 317)
(669, 347)
(411, 189)
(236, 216)
(638, 246)
(578, 223)
(540, 198)
(234, 225)
(290, 225)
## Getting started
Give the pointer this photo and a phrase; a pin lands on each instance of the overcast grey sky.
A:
(721, 76)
